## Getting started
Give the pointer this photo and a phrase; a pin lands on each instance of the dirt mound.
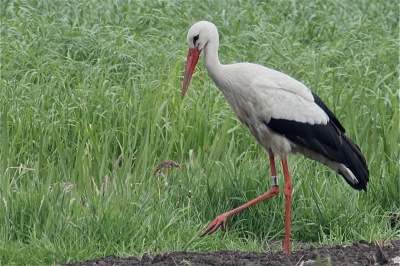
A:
(359, 253)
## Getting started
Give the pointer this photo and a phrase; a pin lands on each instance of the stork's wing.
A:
(331, 115)
(301, 117)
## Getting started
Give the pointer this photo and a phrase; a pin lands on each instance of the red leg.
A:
(272, 164)
(221, 219)
(274, 177)
(288, 196)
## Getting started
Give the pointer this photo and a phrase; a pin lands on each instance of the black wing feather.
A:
(328, 140)
(331, 115)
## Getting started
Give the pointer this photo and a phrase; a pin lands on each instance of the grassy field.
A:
(84, 83)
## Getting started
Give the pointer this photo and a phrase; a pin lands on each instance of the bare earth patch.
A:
(359, 253)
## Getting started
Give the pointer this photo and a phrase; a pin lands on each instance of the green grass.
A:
(83, 82)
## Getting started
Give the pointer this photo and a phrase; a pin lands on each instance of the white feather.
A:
(271, 93)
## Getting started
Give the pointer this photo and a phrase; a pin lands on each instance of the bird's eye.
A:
(195, 38)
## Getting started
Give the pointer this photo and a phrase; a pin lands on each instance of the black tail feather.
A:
(353, 159)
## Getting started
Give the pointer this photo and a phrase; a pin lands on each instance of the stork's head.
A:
(198, 37)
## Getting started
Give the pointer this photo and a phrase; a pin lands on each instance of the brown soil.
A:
(359, 253)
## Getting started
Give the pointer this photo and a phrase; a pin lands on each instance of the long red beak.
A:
(191, 61)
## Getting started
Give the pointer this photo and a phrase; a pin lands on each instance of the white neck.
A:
(214, 67)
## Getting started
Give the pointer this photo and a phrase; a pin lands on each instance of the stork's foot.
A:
(219, 221)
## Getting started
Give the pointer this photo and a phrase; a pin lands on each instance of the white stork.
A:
(283, 115)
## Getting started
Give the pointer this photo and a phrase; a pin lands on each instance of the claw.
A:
(219, 221)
